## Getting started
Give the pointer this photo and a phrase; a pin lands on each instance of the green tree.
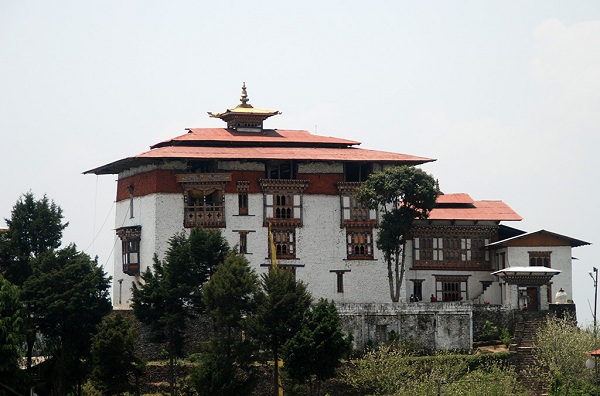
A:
(225, 369)
(315, 352)
(282, 304)
(171, 293)
(114, 360)
(67, 296)
(559, 359)
(208, 249)
(403, 194)
(11, 323)
(35, 227)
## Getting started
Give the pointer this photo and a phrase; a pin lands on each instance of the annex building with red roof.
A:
(245, 176)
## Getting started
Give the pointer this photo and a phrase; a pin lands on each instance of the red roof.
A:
(460, 198)
(227, 144)
(212, 135)
(478, 210)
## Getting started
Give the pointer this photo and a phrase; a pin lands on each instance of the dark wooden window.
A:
(243, 242)
(243, 203)
(285, 243)
(359, 244)
(451, 287)
(417, 289)
(281, 170)
(357, 171)
(540, 259)
(130, 249)
(204, 208)
(283, 206)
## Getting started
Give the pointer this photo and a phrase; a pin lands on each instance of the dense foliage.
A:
(282, 304)
(229, 297)
(402, 194)
(115, 364)
(11, 324)
(559, 357)
(171, 292)
(314, 353)
(388, 371)
(67, 296)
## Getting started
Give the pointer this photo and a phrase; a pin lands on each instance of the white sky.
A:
(505, 94)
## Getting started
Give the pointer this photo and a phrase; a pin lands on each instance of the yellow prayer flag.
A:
(273, 249)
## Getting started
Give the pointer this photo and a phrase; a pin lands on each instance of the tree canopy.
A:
(171, 292)
(35, 227)
(67, 296)
(229, 297)
(314, 353)
(403, 194)
(282, 303)
(11, 324)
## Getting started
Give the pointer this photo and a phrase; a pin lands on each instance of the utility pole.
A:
(595, 278)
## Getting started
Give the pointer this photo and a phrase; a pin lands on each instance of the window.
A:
(339, 279)
(243, 187)
(417, 289)
(283, 202)
(281, 170)
(359, 244)
(451, 287)
(130, 249)
(429, 249)
(285, 243)
(353, 211)
(243, 242)
(451, 251)
(539, 259)
(381, 334)
(357, 171)
(283, 206)
(204, 208)
(243, 203)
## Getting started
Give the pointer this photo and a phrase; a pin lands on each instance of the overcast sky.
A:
(504, 94)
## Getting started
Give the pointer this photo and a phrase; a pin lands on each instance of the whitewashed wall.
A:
(560, 259)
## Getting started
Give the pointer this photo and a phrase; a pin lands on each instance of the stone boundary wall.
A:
(446, 326)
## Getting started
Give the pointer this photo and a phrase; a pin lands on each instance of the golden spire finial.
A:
(244, 99)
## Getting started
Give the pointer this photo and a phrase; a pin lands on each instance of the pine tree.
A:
(67, 296)
(282, 304)
(225, 368)
(171, 293)
(315, 352)
(11, 323)
(114, 360)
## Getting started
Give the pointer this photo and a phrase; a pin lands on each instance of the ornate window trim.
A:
(451, 287)
(283, 201)
(540, 259)
(359, 244)
(130, 249)
(204, 198)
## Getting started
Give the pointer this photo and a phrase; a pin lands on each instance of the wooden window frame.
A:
(540, 259)
(451, 287)
(130, 249)
(285, 243)
(357, 249)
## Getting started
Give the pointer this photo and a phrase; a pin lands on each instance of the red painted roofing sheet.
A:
(282, 153)
(460, 198)
(481, 210)
(269, 136)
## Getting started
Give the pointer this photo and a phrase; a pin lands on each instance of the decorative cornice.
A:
(348, 187)
(283, 185)
(132, 232)
(453, 230)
